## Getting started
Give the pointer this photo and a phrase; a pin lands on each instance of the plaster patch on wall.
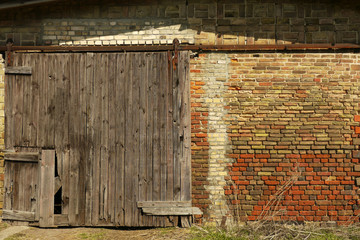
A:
(115, 32)
(216, 76)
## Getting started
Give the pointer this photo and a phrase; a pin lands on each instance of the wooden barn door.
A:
(119, 127)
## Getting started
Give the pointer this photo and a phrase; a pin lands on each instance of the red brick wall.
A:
(292, 124)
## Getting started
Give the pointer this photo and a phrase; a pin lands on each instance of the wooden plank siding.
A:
(120, 127)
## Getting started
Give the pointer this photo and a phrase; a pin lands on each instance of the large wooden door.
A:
(119, 124)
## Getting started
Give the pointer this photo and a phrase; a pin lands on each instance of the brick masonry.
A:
(291, 124)
(113, 22)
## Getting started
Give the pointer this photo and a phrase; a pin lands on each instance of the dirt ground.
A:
(97, 233)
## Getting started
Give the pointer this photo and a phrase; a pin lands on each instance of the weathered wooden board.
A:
(18, 215)
(22, 157)
(46, 196)
(171, 211)
(160, 204)
(18, 70)
(119, 124)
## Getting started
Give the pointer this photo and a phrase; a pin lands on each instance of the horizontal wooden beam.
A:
(172, 211)
(22, 157)
(151, 48)
(147, 204)
(18, 70)
(18, 215)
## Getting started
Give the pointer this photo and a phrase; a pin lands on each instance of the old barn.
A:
(159, 113)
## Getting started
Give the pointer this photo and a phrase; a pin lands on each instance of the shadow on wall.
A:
(193, 22)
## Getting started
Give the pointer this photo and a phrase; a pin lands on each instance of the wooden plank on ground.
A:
(16, 215)
(171, 211)
(159, 204)
(46, 199)
(19, 70)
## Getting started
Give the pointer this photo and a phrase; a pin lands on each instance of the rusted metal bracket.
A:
(176, 44)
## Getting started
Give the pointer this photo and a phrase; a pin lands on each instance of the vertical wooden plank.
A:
(83, 148)
(34, 111)
(162, 121)
(121, 86)
(34, 187)
(50, 101)
(9, 107)
(26, 82)
(155, 126)
(137, 65)
(59, 102)
(74, 141)
(42, 68)
(47, 168)
(112, 69)
(169, 139)
(185, 126)
(128, 181)
(96, 140)
(18, 93)
(176, 133)
(149, 130)
(65, 155)
(143, 135)
(156, 189)
(8, 186)
(64, 137)
(90, 133)
(104, 161)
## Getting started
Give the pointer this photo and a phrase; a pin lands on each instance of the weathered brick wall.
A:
(117, 22)
(292, 135)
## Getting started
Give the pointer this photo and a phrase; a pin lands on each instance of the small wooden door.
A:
(29, 186)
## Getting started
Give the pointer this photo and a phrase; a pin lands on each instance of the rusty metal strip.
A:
(153, 48)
